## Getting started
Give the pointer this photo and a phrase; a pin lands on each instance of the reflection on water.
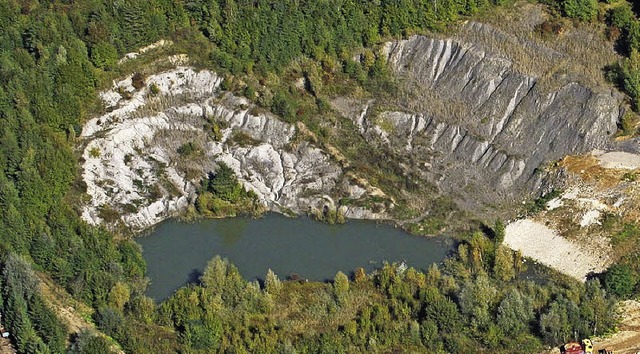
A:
(176, 253)
(231, 232)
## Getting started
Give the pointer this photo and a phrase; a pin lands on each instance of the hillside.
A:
(452, 117)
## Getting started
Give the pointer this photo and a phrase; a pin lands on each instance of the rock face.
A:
(479, 129)
(139, 172)
(471, 123)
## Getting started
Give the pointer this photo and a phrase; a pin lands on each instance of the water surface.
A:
(177, 252)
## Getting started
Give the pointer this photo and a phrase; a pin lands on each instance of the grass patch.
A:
(243, 139)
(94, 152)
(630, 177)
(629, 231)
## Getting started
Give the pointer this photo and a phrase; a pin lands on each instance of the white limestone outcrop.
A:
(135, 174)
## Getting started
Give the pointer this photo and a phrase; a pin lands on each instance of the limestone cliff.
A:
(480, 129)
(467, 119)
(136, 172)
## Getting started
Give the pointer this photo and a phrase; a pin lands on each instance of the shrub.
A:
(104, 55)
(154, 89)
(630, 77)
(620, 17)
(629, 231)
(137, 81)
(224, 183)
(244, 139)
(619, 280)
(94, 152)
(627, 124)
(187, 149)
(108, 214)
(585, 10)
(87, 342)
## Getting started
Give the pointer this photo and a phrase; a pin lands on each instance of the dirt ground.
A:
(627, 340)
(602, 183)
(5, 346)
(76, 315)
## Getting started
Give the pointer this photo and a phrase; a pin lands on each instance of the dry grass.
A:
(592, 182)
(579, 52)
(75, 314)
(589, 170)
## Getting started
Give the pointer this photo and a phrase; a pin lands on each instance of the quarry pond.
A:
(177, 252)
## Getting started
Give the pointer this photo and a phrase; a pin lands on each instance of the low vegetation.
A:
(221, 195)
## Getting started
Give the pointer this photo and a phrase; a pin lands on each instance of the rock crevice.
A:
(138, 171)
(483, 124)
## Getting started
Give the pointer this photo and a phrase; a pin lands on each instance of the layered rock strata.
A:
(137, 171)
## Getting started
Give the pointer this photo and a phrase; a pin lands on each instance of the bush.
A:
(224, 184)
(154, 89)
(630, 77)
(109, 320)
(88, 343)
(137, 81)
(585, 10)
(627, 124)
(243, 139)
(104, 56)
(94, 152)
(284, 107)
(620, 16)
(188, 149)
(620, 281)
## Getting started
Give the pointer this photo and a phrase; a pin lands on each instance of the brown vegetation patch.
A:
(552, 48)
(589, 170)
(75, 314)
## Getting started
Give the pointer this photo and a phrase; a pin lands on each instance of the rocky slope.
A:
(138, 172)
(466, 119)
(480, 129)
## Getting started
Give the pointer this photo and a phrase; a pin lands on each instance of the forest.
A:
(478, 300)
(55, 55)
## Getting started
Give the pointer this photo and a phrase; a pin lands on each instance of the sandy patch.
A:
(627, 340)
(619, 160)
(133, 55)
(543, 244)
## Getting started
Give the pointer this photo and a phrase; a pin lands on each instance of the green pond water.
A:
(177, 252)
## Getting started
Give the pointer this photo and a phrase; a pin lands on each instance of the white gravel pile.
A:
(619, 160)
(544, 245)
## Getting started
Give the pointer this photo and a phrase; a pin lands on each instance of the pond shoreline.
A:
(175, 251)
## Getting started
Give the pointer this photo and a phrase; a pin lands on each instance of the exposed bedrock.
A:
(481, 130)
(145, 157)
(466, 120)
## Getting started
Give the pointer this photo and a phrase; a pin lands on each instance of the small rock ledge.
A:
(136, 175)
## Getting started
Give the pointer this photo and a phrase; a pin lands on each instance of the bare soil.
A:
(73, 313)
(627, 340)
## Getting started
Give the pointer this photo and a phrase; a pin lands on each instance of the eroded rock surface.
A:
(138, 171)
(467, 120)
(480, 129)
